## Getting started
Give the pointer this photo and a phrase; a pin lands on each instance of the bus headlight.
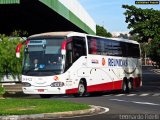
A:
(26, 84)
(57, 84)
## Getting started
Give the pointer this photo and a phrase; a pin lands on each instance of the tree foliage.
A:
(154, 50)
(101, 31)
(9, 64)
(145, 23)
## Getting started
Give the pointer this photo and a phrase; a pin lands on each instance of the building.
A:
(37, 16)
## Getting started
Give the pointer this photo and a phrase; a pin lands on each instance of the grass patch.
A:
(36, 106)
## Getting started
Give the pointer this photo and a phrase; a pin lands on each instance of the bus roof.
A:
(117, 39)
(51, 34)
(71, 33)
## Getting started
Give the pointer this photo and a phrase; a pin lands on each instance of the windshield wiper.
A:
(27, 71)
(33, 69)
(52, 71)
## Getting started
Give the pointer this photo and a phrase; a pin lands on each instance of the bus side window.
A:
(92, 45)
(69, 55)
(79, 47)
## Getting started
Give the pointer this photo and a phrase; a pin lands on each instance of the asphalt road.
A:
(142, 104)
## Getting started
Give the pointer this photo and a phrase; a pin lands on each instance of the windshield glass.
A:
(42, 57)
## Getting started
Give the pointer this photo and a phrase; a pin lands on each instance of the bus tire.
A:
(81, 89)
(125, 88)
(45, 95)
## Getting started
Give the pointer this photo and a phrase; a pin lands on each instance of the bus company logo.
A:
(152, 2)
(94, 61)
(103, 61)
(117, 62)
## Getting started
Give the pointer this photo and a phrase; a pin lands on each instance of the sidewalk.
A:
(92, 111)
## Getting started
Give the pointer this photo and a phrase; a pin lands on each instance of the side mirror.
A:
(63, 47)
(18, 50)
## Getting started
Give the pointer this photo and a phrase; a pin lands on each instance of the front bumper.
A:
(43, 90)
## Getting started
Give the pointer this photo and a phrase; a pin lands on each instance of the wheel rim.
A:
(124, 87)
(129, 85)
(81, 89)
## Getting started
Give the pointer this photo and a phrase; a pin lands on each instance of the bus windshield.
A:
(42, 57)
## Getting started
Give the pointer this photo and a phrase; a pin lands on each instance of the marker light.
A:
(55, 78)
(18, 50)
(63, 47)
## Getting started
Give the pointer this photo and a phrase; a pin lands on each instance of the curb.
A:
(93, 110)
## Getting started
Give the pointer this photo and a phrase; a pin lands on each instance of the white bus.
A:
(78, 63)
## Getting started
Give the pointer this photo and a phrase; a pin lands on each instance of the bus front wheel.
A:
(81, 89)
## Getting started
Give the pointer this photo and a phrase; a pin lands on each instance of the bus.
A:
(78, 63)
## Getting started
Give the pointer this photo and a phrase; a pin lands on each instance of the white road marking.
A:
(136, 102)
(120, 95)
(131, 95)
(145, 103)
(141, 95)
(156, 94)
(144, 94)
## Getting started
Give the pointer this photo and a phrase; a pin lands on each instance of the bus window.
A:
(92, 45)
(116, 48)
(133, 50)
(75, 49)
(79, 47)
(69, 55)
(108, 47)
(124, 49)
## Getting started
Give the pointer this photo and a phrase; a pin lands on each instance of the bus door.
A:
(75, 48)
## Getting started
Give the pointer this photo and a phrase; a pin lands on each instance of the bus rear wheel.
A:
(130, 84)
(125, 88)
(45, 95)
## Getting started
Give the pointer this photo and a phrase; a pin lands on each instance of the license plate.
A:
(40, 90)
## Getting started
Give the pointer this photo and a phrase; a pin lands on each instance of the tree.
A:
(154, 50)
(145, 23)
(101, 31)
(9, 64)
(19, 33)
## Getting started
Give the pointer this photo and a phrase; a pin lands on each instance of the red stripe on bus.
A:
(137, 82)
(116, 85)
(105, 86)
(99, 87)
(71, 91)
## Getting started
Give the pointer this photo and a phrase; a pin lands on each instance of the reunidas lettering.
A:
(117, 62)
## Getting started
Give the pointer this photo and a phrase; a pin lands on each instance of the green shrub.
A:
(2, 90)
(9, 64)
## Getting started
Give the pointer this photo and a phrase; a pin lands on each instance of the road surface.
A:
(143, 104)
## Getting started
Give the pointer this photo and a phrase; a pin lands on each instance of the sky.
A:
(109, 13)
